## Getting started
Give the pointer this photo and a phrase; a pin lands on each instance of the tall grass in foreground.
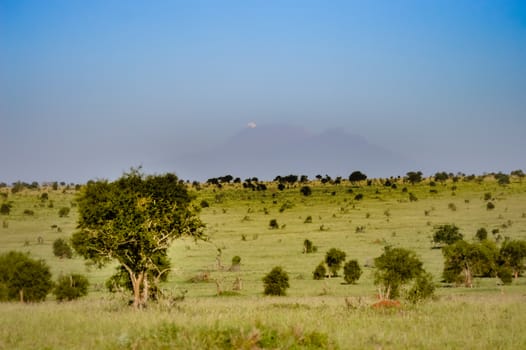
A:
(455, 322)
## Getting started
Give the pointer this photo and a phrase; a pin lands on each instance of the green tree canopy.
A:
(134, 220)
(396, 267)
(414, 177)
(23, 278)
(464, 260)
(334, 259)
(447, 234)
(513, 254)
(357, 176)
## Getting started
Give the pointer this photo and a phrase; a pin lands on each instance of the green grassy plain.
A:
(314, 314)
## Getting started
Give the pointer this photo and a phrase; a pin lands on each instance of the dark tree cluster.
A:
(357, 176)
(463, 261)
(254, 184)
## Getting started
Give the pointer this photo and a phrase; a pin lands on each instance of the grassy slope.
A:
(485, 317)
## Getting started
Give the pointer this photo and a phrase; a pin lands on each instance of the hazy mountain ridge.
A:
(268, 151)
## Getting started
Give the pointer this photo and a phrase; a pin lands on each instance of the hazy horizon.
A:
(90, 89)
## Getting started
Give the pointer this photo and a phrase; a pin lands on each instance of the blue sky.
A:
(91, 88)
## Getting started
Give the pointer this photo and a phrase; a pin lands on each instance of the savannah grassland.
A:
(314, 314)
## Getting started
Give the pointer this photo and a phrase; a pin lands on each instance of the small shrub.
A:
(490, 206)
(62, 249)
(505, 273)
(71, 287)
(236, 263)
(276, 282)
(63, 212)
(308, 220)
(452, 207)
(358, 197)
(319, 272)
(412, 197)
(308, 247)
(5, 209)
(487, 196)
(423, 288)
(204, 204)
(481, 234)
(29, 212)
(352, 271)
(273, 224)
(306, 191)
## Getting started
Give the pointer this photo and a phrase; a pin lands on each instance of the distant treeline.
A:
(291, 179)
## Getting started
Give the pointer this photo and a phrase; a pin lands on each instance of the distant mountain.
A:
(268, 151)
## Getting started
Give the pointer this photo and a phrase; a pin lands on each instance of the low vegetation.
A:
(407, 254)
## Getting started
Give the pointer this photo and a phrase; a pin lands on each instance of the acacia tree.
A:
(334, 259)
(23, 278)
(464, 260)
(357, 176)
(513, 254)
(394, 268)
(134, 220)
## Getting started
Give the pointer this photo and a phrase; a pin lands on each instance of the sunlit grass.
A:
(485, 317)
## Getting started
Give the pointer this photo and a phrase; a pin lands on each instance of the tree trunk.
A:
(21, 293)
(516, 275)
(145, 290)
(137, 281)
(468, 281)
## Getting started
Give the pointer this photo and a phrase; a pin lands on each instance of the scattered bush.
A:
(276, 282)
(308, 220)
(481, 234)
(306, 190)
(204, 204)
(358, 197)
(447, 234)
(423, 288)
(29, 212)
(236, 263)
(334, 259)
(487, 196)
(5, 208)
(412, 197)
(273, 224)
(308, 247)
(70, 287)
(62, 249)
(320, 271)
(352, 271)
(490, 206)
(505, 273)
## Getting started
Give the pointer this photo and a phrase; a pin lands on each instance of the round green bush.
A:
(23, 278)
(62, 249)
(319, 272)
(276, 281)
(352, 271)
(70, 287)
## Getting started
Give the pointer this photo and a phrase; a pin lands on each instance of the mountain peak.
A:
(269, 150)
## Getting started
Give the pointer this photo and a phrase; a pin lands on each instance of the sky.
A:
(89, 89)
